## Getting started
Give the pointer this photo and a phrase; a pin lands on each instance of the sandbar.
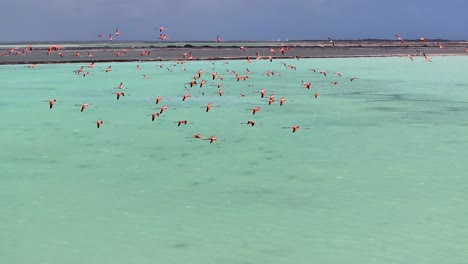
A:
(169, 51)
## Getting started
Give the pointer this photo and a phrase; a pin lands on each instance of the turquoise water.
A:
(379, 176)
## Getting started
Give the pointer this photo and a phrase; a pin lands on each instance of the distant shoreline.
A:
(170, 51)
(233, 41)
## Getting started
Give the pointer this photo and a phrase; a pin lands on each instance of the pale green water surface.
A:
(380, 176)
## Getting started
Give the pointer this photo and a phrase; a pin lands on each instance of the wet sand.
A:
(163, 51)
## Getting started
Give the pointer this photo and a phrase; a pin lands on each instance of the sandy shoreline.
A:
(107, 52)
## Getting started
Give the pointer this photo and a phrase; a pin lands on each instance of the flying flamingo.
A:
(180, 122)
(250, 122)
(202, 83)
(154, 115)
(79, 70)
(211, 139)
(31, 66)
(262, 93)
(197, 136)
(295, 128)
(164, 108)
(254, 110)
(51, 103)
(282, 101)
(99, 123)
(208, 106)
(399, 38)
(83, 106)
(120, 94)
(199, 73)
(158, 99)
(427, 57)
(185, 97)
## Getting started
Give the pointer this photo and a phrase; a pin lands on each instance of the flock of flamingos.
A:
(199, 79)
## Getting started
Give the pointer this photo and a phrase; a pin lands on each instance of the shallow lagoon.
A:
(380, 176)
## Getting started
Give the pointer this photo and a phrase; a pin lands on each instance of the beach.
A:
(163, 51)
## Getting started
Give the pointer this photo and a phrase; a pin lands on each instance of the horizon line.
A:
(214, 41)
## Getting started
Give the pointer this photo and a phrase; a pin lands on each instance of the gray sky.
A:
(75, 20)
